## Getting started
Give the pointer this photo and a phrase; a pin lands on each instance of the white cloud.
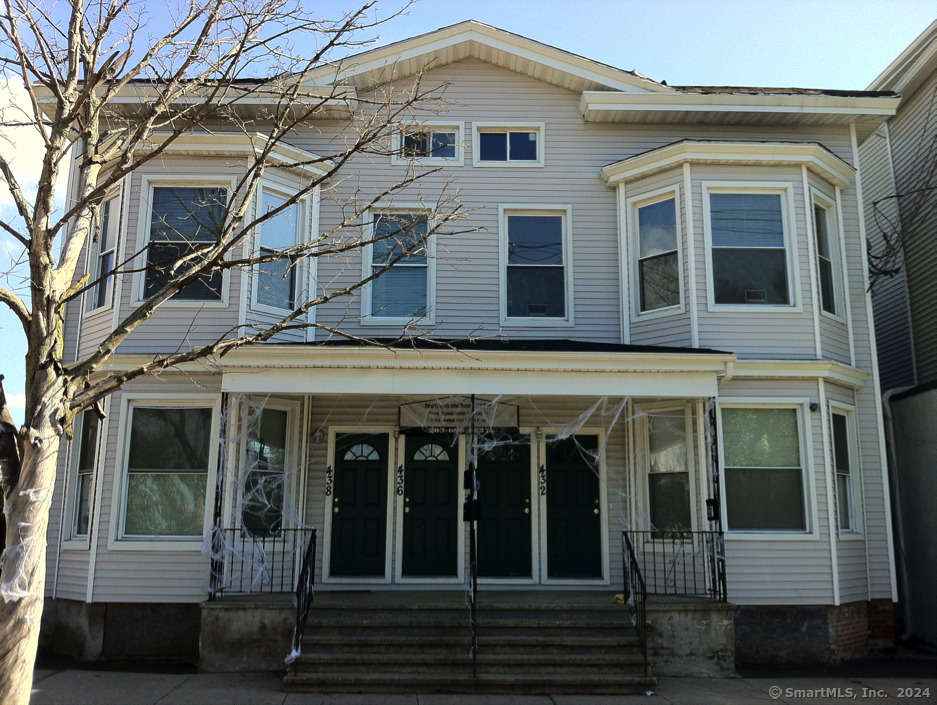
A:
(16, 401)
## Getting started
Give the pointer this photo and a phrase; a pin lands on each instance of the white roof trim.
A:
(242, 145)
(828, 166)
(913, 65)
(430, 44)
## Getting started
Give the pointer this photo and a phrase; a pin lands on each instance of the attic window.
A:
(508, 145)
(430, 143)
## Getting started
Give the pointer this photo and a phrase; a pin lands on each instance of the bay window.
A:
(764, 472)
(276, 280)
(658, 261)
(748, 253)
(183, 220)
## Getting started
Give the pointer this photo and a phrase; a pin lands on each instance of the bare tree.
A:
(108, 96)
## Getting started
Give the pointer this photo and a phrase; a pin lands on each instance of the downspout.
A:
(896, 516)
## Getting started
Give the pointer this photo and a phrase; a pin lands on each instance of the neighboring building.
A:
(899, 171)
(660, 319)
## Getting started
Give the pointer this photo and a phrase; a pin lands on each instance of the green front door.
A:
(431, 495)
(574, 526)
(504, 547)
(358, 505)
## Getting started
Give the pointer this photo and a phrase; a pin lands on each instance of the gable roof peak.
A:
(471, 39)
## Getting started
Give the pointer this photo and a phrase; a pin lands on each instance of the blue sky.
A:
(840, 44)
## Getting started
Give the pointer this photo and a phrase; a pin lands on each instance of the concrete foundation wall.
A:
(691, 639)
(245, 635)
(120, 630)
(788, 634)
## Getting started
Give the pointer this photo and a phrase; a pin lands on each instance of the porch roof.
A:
(484, 366)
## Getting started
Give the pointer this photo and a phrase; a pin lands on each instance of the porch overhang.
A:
(370, 370)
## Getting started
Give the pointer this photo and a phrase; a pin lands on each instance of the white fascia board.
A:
(242, 145)
(340, 99)
(597, 101)
(835, 372)
(353, 370)
(428, 45)
(908, 71)
(822, 162)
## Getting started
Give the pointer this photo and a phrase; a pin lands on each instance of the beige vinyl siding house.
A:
(625, 334)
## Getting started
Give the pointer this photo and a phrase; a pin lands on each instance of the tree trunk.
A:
(22, 579)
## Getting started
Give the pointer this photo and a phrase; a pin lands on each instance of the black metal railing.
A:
(635, 594)
(305, 593)
(258, 561)
(684, 563)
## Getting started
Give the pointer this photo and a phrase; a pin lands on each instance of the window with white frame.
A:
(399, 256)
(514, 145)
(183, 220)
(84, 476)
(430, 143)
(827, 243)
(167, 465)
(265, 478)
(658, 276)
(748, 253)
(763, 467)
(844, 465)
(276, 280)
(103, 252)
(668, 472)
(536, 280)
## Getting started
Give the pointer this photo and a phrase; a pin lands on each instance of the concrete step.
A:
(462, 682)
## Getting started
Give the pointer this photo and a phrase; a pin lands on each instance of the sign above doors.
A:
(454, 414)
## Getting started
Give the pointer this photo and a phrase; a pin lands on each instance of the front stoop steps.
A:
(421, 642)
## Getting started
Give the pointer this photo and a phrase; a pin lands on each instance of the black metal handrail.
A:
(684, 563)
(635, 594)
(305, 593)
(251, 562)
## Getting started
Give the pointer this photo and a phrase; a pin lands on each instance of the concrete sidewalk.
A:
(895, 683)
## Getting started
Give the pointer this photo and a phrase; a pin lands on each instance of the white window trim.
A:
(116, 540)
(430, 317)
(634, 250)
(504, 126)
(828, 204)
(808, 477)
(300, 283)
(642, 444)
(70, 540)
(390, 519)
(566, 211)
(788, 224)
(143, 235)
(116, 192)
(432, 126)
(855, 472)
(291, 465)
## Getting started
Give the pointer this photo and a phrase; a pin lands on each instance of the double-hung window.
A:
(169, 455)
(183, 220)
(399, 256)
(658, 260)
(500, 145)
(103, 254)
(844, 466)
(764, 472)
(668, 473)
(265, 479)
(825, 226)
(749, 255)
(276, 279)
(87, 457)
(535, 264)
